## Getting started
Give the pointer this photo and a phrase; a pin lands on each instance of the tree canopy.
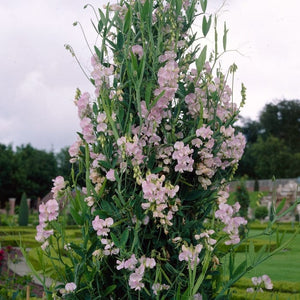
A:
(273, 142)
(30, 170)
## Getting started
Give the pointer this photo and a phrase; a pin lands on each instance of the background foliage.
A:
(273, 143)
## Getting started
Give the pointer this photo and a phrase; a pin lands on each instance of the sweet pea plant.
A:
(157, 149)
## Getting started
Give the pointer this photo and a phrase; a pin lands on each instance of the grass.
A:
(284, 266)
(254, 198)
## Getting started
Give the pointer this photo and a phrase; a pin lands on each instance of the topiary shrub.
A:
(23, 211)
(261, 212)
(242, 196)
(256, 185)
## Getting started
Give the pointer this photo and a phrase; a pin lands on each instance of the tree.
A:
(271, 158)
(282, 120)
(36, 169)
(23, 211)
(250, 129)
(7, 173)
(273, 143)
(63, 162)
(242, 196)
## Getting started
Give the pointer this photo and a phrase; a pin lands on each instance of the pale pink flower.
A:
(120, 264)
(83, 105)
(58, 185)
(74, 150)
(70, 287)
(67, 247)
(267, 281)
(42, 234)
(135, 281)
(97, 253)
(198, 296)
(183, 155)
(102, 226)
(45, 245)
(157, 287)
(52, 209)
(87, 130)
(110, 175)
(190, 254)
(130, 263)
(204, 132)
(89, 201)
(168, 55)
(137, 49)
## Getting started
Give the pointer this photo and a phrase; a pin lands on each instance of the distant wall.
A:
(264, 184)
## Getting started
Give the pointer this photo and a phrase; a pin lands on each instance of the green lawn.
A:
(284, 266)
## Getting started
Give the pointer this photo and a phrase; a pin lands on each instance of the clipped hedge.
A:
(241, 294)
(281, 227)
(17, 241)
(17, 236)
(16, 230)
(258, 244)
(278, 286)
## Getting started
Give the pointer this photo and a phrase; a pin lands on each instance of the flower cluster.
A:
(190, 254)
(225, 214)
(102, 226)
(49, 212)
(159, 198)
(183, 156)
(138, 267)
(70, 287)
(209, 241)
(157, 287)
(259, 281)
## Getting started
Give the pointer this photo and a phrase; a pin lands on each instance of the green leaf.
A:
(193, 195)
(75, 215)
(98, 52)
(124, 238)
(77, 249)
(112, 44)
(178, 6)
(100, 26)
(115, 240)
(120, 41)
(127, 20)
(104, 164)
(203, 4)
(102, 18)
(134, 62)
(280, 206)
(92, 248)
(241, 268)
(106, 207)
(151, 160)
(261, 252)
(225, 37)
(95, 109)
(251, 252)
(157, 170)
(145, 11)
(200, 61)
(109, 290)
(206, 25)
(102, 188)
(148, 94)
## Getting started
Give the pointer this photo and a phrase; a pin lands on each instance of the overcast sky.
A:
(39, 77)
